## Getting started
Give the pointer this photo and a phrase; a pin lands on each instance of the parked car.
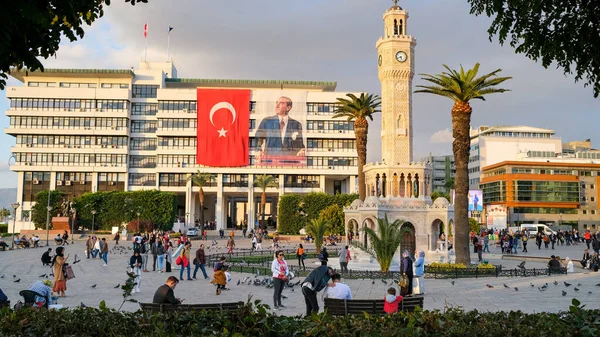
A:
(192, 232)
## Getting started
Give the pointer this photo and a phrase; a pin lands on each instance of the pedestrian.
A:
(316, 281)
(168, 257)
(280, 272)
(135, 262)
(419, 287)
(89, 246)
(205, 235)
(219, 279)
(200, 261)
(253, 242)
(65, 238)
(244, 231)
(587, 236)
(407, 269)
(324, 256)
(184, 257)
(144, 248)
(104, 252)
(259, 242)
(116, 238)
(154, 251)
(301, 256)
(486, 241)
(97, 247)
(160, 253)
(480, 250)
(60, 281)
(525, 238)
(538, 240)
(343, 255)
(474, 239)
(230, 244)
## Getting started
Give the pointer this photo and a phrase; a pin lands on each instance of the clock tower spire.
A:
(396, 70)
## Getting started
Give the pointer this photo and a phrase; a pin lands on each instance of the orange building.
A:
(555, 193)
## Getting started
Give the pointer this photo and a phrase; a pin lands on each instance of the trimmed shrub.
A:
(3, 228)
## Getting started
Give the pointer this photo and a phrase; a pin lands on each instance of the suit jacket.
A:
(269, 134)
(164, 294)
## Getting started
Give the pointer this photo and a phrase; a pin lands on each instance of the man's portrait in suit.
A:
(281, 135)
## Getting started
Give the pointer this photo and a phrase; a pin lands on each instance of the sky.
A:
(332, 40)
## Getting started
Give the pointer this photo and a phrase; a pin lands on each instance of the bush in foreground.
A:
(254, 320)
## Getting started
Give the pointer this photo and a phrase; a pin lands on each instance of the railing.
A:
(498, 271)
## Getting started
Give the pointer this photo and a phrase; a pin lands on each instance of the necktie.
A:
(281, 125)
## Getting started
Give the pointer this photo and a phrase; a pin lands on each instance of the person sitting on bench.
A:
(58, 239)
(46, 258)
(165, 294)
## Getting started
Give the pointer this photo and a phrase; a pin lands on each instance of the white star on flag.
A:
(222, 132)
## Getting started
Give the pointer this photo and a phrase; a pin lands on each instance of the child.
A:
(390, 305)
(219, 279)
(227, 276)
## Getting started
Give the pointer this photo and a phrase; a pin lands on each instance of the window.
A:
(594, 211)
(144, 91)
(592, 199)
(584, 211)
(142, 179)
(177, 142)
(235, 180)
(143, 127)
(172, 179)
(307, 181)
(546, 191)
(177, 123)
(143, 144)
(144, 109)
(592, 186)
(177, 160)
(142, 161)
(177, 106)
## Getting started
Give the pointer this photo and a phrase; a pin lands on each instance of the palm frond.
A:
(200, 178)
(385, 241)
(265, 181)
(316, 228)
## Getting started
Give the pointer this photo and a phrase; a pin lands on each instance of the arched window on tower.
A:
(400, 26)
(395, 27)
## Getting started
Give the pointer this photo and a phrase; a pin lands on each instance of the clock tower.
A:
(396, 66)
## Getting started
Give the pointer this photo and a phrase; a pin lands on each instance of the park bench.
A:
(154, 307)
(338, 307)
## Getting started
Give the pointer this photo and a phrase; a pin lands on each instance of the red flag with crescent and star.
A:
(223, 127)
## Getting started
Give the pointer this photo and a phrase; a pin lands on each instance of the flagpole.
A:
(168, 44)
(145, 48)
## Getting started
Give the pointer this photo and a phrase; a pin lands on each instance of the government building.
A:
(89, 130)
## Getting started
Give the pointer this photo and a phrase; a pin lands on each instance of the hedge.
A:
(289, 218)
(254, 319)
(3, 228)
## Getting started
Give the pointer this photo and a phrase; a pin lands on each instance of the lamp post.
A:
(138, 222)
(93, 220)
(15, 206)
(48, 209)
(73, 210)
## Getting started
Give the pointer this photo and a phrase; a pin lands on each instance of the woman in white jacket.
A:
(280, 272)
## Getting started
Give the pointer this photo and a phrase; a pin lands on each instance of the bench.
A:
(336, 307)
(155, 307)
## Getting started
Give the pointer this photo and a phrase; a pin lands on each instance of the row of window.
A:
(143, 144)
(544, 210)
(144, 109)
(177, 123)
(518, 134)
(78, 85)
(142, 161)
(143, 127)
(144, 91)
(70, 159)
(71, 141)
(179, 106)
(540, 191)
(68, 104)
(74, 176)
(329, 126)
(68, 122)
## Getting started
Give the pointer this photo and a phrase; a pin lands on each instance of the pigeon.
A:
(489, 286)
(293, 289)
(579, 284)
(373, 282)
(117, 286)
(540, 289)
(598, 285)
(74, 262)
(564, 293)
(17, 280)
(576, 289)
(284, 297)
(521, 265)
(589, 292)
(81, 305)
(239, 281)
(396, 281)
(544, 286)
(531, 284)
(555, 283)
(383, 281)
(93, 286)
(2, 276)
(244, 279)
(43, 275)
(14, 276)
(516, 289)
(567, 284)
(505, 286)
(452, 282)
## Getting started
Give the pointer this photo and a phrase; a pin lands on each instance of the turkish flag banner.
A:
(223, 127)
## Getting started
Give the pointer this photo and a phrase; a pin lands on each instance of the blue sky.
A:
(331, 40)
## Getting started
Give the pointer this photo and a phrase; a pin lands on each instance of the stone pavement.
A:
(466, 293)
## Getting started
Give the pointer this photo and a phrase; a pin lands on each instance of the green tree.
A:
(474, 226)
(32, 30)
(462, 87)
(437, 194)
(201, 179)
(39, 211)
(561, 33)
(264, 182)
(358, 109)
(4, 214)
(385, 241)
(317, 228)
(449, 185)
(334, 215)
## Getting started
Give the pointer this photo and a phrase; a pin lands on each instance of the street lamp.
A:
(93, 220)
(48, 209)
(138, 224)
(15, 206)
(73, 210)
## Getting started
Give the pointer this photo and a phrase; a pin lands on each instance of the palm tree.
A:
(263, 182)
(317, 228)
(358, 109)
(4, 214)
(385, 241)
(201, 179)
(462, 87)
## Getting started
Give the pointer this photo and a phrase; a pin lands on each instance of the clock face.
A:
(380, 60)
(401, 56)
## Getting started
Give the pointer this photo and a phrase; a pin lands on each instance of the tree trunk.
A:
(201, 197)
(361, 129)
(263, 204)
(461, 126)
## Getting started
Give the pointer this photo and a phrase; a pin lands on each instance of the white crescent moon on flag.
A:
(222, 105)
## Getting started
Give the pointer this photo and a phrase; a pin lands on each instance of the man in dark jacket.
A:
(316, 281)
(46, 258)
(165, 294)
(154, 251)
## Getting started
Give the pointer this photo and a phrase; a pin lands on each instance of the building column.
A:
(422, 192)
(126, 182)
(188, 201)
(193, 213)
(95, 182)
(52, 180)
(251, 210)
(20, 179)
(322, 183)
(281, 180)
(220, 209)
(351, 184)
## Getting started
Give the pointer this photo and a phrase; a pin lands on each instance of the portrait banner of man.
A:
(281, 132)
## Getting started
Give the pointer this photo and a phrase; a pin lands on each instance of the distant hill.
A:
(7, 197)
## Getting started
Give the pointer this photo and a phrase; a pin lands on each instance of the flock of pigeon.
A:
(544, 287)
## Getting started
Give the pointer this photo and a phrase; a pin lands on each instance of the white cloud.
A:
(441, 137)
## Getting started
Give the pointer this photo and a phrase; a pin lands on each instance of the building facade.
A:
(560, 192)
(444, 171)
(492, 145)
(88, 130)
